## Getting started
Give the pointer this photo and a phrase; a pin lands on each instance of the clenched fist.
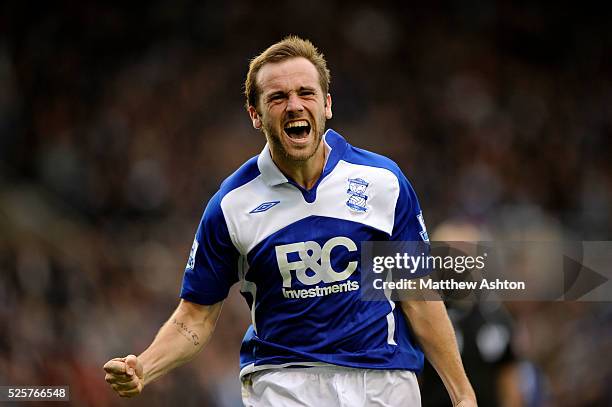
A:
(125, 375)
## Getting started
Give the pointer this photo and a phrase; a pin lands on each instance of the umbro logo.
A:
(265, 206)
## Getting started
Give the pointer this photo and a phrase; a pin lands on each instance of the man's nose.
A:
(294, 103)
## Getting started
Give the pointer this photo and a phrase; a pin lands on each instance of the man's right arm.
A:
(186, 332)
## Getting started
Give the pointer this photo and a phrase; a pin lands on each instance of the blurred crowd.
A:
(117, 124)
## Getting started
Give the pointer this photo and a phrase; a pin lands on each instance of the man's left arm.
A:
(428, 319)
(433, 330)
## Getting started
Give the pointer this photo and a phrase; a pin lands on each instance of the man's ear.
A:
(328, 107)
(255, 119)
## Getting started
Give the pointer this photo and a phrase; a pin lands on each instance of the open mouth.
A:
(297, 130)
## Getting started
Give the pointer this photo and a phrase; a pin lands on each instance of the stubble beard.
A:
(274, 138)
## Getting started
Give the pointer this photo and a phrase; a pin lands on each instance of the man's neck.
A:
(304, 173)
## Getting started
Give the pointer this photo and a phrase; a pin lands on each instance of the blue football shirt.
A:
(296, 254)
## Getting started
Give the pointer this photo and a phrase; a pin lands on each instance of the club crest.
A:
(357, 194)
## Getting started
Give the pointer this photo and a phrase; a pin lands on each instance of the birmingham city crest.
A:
(357, 194)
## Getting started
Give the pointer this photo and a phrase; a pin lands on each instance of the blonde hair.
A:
(290, 47)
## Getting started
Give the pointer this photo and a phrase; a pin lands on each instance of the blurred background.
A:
(118, 123)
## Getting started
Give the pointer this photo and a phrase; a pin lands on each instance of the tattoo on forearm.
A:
(186, 332)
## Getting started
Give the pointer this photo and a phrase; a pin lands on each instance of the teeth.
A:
(299, 123)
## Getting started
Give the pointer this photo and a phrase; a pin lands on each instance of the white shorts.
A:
(330, 386)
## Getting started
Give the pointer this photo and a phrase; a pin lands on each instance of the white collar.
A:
(271, 174)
